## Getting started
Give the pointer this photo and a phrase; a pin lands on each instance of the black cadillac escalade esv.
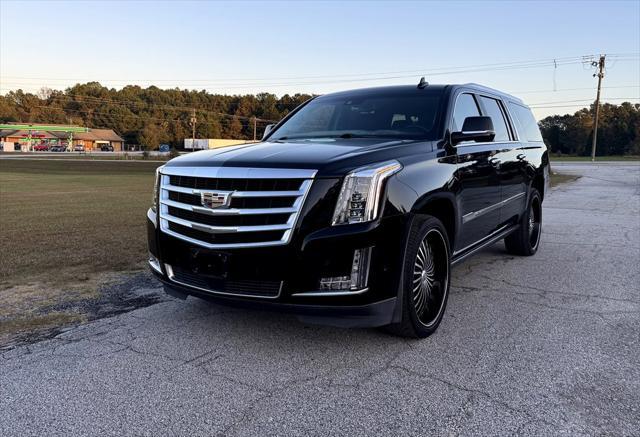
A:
(352, 210)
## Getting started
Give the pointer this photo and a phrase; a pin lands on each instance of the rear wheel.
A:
(426, 279)
(526, 239)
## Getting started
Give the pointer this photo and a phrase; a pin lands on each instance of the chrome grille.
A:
(261, 205)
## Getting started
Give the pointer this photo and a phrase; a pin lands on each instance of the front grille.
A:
(239, 202)
(245, 184)
(256, 207)
(225, 239)
(230, 220)
(252, 288)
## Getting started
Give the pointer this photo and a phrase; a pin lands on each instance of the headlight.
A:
(359, 199)
(156, 189)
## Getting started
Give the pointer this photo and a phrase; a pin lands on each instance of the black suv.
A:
(352, 210)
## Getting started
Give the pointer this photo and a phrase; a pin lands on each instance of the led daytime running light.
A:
(359, 199)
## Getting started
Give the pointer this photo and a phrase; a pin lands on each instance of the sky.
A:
(320, 47)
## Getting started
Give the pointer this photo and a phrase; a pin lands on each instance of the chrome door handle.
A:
(494, 162)
(521, 156)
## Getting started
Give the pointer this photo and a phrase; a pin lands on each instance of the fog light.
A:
(359, 277)
(154, 263)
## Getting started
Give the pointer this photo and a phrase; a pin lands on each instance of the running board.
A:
(488, 241)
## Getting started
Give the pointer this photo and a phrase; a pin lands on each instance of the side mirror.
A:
(268, 129)
(479, 129)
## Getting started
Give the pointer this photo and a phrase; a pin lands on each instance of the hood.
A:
(331, 157)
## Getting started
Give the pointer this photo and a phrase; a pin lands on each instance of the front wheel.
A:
(426, 278)
(526, 239)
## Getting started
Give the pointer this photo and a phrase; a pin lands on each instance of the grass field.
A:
(65, 227)
(83, 216)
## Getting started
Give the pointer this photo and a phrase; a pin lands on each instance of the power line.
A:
(566, 106)
(600, 73)
(436, 70)
(416, 71)
(432, 72)
(91, 99)
(186, 109)
(123, 116)
(573, 89)
(582, 100)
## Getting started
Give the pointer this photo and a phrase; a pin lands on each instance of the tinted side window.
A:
(492, 109)
(528, 129)
(465, 107)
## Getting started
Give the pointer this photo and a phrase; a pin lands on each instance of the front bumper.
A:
(343, 316)
(312, 254)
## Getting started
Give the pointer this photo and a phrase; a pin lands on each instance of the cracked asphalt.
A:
(528, 346)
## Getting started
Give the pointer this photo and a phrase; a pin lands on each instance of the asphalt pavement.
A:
(544, 345)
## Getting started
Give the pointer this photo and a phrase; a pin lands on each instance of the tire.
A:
(526, 239)
(426, 279)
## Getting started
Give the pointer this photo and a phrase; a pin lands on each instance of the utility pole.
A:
(255, 122)
(600, 65)
(193, 122)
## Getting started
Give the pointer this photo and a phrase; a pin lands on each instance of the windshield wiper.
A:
(352, 135)
(307, 138)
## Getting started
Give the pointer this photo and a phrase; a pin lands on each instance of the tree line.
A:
(153, 116)
(150, 116)
(618, 131)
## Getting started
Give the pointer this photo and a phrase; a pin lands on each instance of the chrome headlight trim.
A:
(359, 200)
(156, 190)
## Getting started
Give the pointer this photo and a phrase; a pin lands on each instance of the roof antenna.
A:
(423, 83)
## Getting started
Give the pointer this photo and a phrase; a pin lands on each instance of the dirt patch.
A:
(562, 178)
(36, 311)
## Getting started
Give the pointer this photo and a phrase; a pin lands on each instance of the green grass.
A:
(61, 219)
(66, 229)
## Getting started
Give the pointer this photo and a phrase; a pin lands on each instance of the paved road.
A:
(538, 346)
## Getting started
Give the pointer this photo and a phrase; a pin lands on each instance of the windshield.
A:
(402, 116)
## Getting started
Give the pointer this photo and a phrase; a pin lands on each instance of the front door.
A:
(480, 196)
(480, 192)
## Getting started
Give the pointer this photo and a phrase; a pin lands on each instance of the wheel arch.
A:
(441, 205)
(539, 184)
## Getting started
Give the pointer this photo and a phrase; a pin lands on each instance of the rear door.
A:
(480, 194)
(511, 159)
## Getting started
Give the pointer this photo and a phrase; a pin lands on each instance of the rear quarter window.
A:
(526, 124)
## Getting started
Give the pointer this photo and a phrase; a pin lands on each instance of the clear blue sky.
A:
(282, 47)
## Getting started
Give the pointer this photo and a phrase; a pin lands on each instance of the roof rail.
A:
(493, 90)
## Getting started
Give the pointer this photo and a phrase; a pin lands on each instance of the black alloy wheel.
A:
(426, 279)
(526, 239)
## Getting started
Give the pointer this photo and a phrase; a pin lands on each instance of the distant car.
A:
(41, 148)
(106, 148)
(78, 148)
(58, 149)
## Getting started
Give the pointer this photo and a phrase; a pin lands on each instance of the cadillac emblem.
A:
(213, 200)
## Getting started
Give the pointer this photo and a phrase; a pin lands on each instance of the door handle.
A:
(521, 156)
(494, 162)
